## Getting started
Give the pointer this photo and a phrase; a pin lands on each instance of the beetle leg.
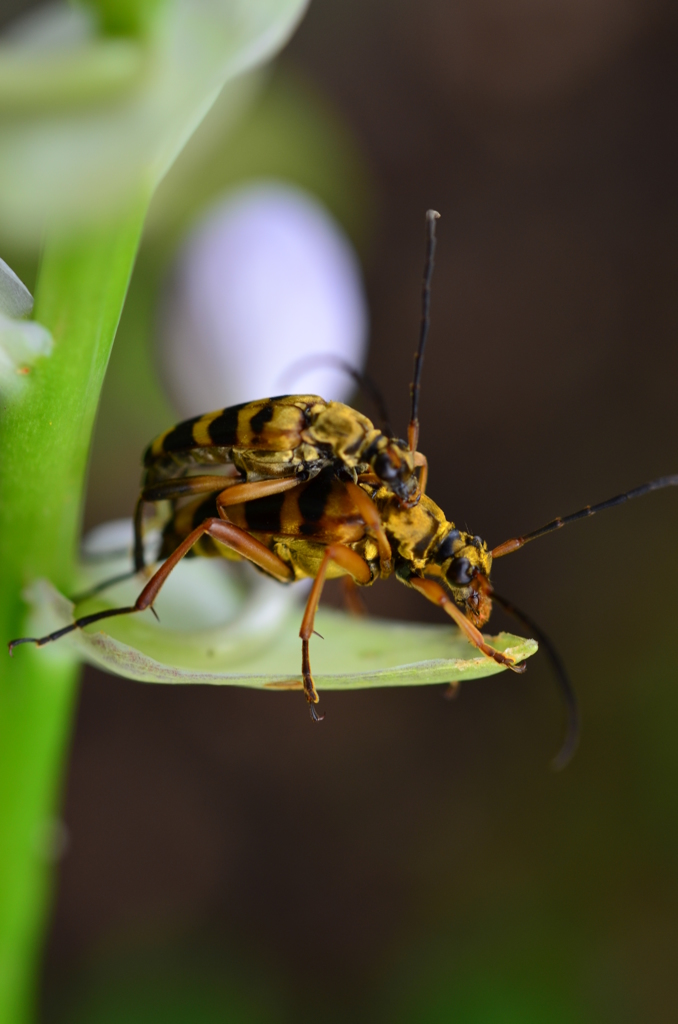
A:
(357, 567)
(139, 560)
(227, 533)
(171, 490)
(421, 461)
(435, 593)
(352, 599)
(370, 513)
(186, 487)
(239, 493)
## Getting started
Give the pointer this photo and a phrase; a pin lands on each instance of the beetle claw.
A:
(315, 717)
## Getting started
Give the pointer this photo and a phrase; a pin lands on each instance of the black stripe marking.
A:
(373, 448)
(422, 545)
(261, 418)
(171, 538)
(264, 515)
(224, 429)
(206, 510)
(313, 498)
(181, 437)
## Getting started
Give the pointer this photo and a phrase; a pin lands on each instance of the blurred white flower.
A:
(21, 341)
(266, 279)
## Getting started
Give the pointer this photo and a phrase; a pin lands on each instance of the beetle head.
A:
(462, 563)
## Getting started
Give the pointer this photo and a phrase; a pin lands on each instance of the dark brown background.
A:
(412, 858)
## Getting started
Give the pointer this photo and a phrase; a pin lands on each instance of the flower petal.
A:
(22, 342)
(77, 159)
(15, 298)
(266, 283)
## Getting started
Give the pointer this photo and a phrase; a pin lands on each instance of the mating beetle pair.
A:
(301, 488)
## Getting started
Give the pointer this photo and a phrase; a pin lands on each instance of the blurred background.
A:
(413, 858)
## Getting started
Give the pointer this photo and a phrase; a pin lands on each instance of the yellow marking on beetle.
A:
(157, 446)
(282, 432)
(201, 434)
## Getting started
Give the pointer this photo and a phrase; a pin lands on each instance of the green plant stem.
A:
(44, 444)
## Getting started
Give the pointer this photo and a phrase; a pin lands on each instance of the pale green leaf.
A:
(259, 645)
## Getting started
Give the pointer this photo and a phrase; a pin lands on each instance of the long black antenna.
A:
(572, 731)
(413, 429)
(518, 542)
(367, 385)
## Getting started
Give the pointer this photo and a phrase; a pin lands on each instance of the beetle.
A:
(304, 488)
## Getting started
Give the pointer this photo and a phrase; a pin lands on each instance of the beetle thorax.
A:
(360, 447)
(342, 429)
(413, 532)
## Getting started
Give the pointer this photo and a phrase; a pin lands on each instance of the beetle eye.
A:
(458, 572)
(384, 468)
(446, 546)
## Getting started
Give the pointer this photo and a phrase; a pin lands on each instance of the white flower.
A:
(22, 342)
(15, 298)
(93, 119)
(266, 280)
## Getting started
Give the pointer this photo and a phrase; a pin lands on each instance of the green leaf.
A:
(126, 17)
(259, 645)
(89, 74)
(44, 443)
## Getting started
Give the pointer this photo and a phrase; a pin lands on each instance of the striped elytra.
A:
(272, 424)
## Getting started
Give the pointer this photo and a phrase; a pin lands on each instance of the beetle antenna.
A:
(569, 744)
(518, 542)
(413, 429)
(366, 383)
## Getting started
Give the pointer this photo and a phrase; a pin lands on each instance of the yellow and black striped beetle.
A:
(305, 488)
